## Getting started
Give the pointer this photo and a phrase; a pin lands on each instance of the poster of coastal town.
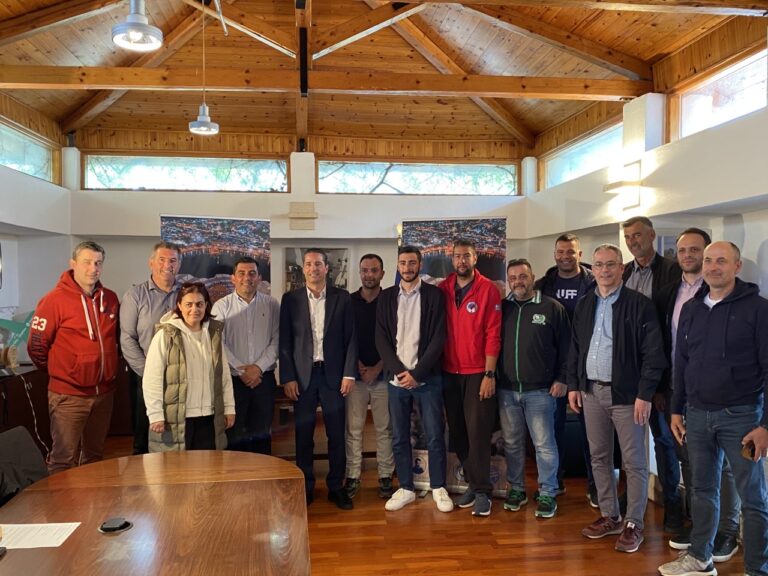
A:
(435, 239)
(210, 246)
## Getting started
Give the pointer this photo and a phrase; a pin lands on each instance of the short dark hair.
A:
(466, 242)
(637, 220)
(316, 251)
(707, 238)
(88, 245)
(244, 260)
(519, 262)
(567, 237)
(372, 257)
(409, 249)
(191, 288)
(168, 246)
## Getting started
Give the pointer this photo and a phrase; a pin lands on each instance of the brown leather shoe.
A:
(603, 527)
(630, 539)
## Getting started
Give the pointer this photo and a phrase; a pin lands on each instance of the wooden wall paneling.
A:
(722, 46)
(594, 118)
(29, 119)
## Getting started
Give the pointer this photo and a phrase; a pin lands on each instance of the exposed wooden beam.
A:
(328, 82)
(362, 26)
(101, 101)
(42, 20)
(574, 45)
(712, 7)
(443, 63)
(253, 26)
(303, 65)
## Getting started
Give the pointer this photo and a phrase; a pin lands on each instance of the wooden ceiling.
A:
(496, 70)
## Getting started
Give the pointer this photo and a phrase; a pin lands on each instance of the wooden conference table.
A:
(206, 512)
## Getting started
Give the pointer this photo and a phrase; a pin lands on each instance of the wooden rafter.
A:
(326, 82)
(303, 65)
(102, 100)
(251, 25)
(361, 26)
(711, 7)
(44, 19)
(573, 44)
(417, 38)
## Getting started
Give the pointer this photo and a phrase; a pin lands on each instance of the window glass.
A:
(25, 154)
(185, 173)
(339, 177)
(589, 155)
(739, 90)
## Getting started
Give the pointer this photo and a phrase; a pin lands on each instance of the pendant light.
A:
(203, 125)
(136, 33)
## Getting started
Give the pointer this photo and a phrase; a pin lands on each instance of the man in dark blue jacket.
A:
(721, 385)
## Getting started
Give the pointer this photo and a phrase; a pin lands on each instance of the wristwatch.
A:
(489, 374)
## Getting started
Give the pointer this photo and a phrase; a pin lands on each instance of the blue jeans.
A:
(429, 402)
(536, 409)
(711, 436)
(667, 463)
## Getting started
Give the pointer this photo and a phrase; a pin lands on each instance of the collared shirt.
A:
(317, 318)
(641, 279)
(600, 355)
(141, 309)
(409, 325)
(250, 330)
(684, 293)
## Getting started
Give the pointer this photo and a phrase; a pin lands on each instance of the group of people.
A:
(680, 347)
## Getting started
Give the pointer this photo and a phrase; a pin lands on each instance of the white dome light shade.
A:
(136, 33)
(203, 125)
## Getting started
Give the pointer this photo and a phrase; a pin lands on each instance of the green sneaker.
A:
(547, 507)
(515, 499)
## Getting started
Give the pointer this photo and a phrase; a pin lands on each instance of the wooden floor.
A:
(420, 540)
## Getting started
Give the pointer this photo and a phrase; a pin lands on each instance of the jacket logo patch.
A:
(472, 307)
(539, 319)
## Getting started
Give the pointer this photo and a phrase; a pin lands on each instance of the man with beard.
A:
(648, 273)
(410, 332)
(535, 339)
(251, 323)
(141, 309)
(567, 282)
(317, 366)
(472, 345)
(370, 386)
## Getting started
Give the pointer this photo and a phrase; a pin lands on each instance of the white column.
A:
(303, 185)
(529, 175)
(70, 168)
(644, 120)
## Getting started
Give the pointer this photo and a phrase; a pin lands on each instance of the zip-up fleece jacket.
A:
(73, 337)
(721, 358)
(535, 338)
(638, 352)
(473, 330)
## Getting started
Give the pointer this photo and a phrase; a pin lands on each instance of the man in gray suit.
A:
(317, 366)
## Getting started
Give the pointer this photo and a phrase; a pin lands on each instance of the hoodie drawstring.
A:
(87, 318)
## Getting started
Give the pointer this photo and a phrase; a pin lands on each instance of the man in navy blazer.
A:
(317, 366)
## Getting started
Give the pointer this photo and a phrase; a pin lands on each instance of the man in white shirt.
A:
(251, 323)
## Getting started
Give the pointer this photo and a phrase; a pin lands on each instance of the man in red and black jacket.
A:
(73, 337)
(472, 346)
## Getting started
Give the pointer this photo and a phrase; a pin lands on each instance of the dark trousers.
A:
(561, 416)
(139, 413)
(254, 407)
(470, 425)
(667, 463)
(328, 396)
(199, 433)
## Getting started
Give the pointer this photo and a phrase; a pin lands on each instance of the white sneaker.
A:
(687, 565)
(400, 499)
(443, 501)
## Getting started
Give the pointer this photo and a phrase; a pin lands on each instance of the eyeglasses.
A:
(607, 265)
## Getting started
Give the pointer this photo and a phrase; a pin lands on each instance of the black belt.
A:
(593, 382)
(318, 364)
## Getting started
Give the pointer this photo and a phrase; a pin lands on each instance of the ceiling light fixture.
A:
(136, 33)
(203, 125)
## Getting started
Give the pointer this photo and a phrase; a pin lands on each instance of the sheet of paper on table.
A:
(36, 535)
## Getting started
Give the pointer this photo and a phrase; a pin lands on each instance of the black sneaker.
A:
(385, 487)
(341, 499)
(560, 488)
(352, 486)
(725, 547)
(515, 499)
(546, 508)
(682, 541)
(592, 497)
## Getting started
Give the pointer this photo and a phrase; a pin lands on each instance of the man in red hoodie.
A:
(472, 345)
(73, 337)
